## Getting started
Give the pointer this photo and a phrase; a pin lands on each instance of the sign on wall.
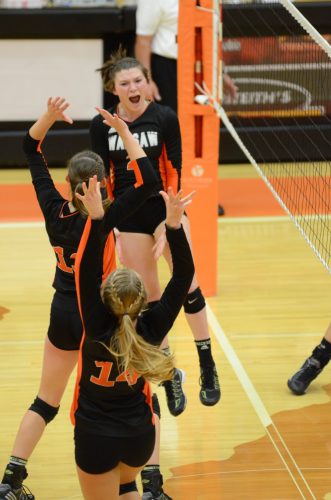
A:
(33, 70)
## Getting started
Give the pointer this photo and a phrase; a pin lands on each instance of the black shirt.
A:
(157, 130)
(106, 403)
(65, 228)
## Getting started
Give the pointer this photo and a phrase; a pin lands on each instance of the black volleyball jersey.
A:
(65, 228)
(158, 133)
(105, 403)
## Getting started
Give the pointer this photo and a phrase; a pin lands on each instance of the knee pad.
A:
(156, 405)
(46, 411)
(128, 487)
(194, 302)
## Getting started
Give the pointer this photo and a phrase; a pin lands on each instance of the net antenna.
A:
(284, 97)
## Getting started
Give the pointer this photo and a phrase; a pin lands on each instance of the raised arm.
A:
(88, 262)
(146, 178)
(42, 181)
(56, 107)
(131, 144)
(156, 322)
(172, 152)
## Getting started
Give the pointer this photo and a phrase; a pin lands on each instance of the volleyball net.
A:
(281, 116)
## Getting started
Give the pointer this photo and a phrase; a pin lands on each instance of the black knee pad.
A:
(46, 411)
(156, 405)
(194, 302)
(128, 487)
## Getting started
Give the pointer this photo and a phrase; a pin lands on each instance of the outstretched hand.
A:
(91, 198)
(56, 107)
(113, 121)
(175, 206)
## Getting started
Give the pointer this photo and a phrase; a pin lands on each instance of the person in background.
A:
(313, 365)
(156, 48)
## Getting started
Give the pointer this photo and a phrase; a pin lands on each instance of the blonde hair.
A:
(124, 294)
(81, 167)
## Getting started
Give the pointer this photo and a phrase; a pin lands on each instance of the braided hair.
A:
(124, 294)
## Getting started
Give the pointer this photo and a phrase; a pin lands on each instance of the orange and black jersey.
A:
(65, 228)
(158, 133)
(106, 403)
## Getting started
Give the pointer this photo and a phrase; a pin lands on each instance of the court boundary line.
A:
(236, 471)
(255, 399)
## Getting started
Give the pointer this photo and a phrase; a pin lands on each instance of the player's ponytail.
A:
(124, 294)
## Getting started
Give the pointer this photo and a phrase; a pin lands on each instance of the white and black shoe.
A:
(176, 399)
(303, 377)
(210, 392)
(8, 493)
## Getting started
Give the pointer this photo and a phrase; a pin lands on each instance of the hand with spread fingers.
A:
(92, 198)
(56, 107)
(175, 205)
(113, 120)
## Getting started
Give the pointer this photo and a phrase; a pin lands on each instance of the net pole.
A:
(200, 128)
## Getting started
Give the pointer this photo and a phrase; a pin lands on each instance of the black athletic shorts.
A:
(98, 454)
(146, 219)
(65, 327)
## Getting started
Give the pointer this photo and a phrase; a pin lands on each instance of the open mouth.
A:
(135, 99)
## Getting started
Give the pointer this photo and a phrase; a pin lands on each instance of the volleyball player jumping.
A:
(112, 412)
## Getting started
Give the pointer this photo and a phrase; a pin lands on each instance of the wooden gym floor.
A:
(272, 307)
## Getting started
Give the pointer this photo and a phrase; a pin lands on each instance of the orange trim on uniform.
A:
(79, 255)
(109, 265)
(74, 403)
(61, 214)
(133, 165)
(147, 390)
(109, 256)
(40, 151)
(169, 174)
(111, 181)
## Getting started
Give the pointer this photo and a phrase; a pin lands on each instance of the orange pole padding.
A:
(200, 136)
(198, 77)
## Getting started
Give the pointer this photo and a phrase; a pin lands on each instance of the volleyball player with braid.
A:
(112, 412)
(65, 221)
(157, 129)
